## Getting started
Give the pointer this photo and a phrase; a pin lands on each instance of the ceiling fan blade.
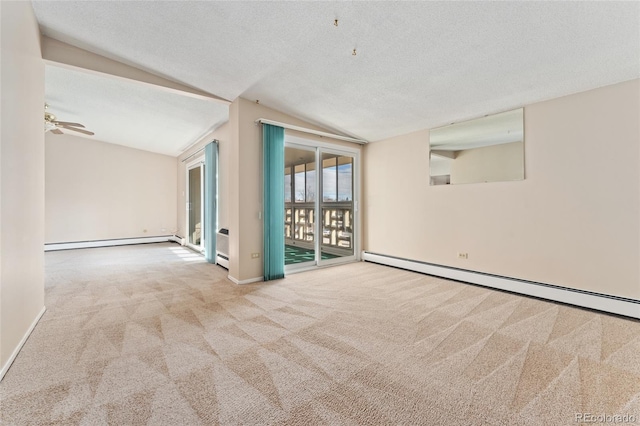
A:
(86, 132)
(66, 123)
(57, 131)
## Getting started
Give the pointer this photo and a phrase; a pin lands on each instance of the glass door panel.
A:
(195, 234)
(319, 206)
(299, 206)
(337, 207)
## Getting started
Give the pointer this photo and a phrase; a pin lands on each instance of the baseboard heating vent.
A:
(222, 248)
(586, 299)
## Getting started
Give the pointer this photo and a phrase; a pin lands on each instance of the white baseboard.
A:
(110, 243)
(249, 281)
(16, 351)
(177, 239)
(600, 302)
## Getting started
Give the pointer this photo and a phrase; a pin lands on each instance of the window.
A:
(311, 182)
(299, 183)
(287, 185)
(329, 179)
(337, 178)
(345, 179)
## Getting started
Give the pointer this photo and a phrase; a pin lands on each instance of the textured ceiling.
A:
(128, 113)
(418, 64)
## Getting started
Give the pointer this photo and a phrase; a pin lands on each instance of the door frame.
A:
(356, 211)
(324, 147)
(197, 162)
(313, 263)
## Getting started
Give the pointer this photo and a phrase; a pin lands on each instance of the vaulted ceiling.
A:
(417, 64)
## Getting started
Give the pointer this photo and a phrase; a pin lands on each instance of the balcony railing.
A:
(337, 226)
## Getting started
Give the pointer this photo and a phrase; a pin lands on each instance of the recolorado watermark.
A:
(606, 418)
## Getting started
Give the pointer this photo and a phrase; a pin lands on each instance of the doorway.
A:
(195, 205)
(320, 206)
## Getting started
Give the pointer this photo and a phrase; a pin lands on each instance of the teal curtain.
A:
(273, 158)
(210, 200)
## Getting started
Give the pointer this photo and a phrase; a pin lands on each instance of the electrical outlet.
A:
(255, 255)
(463, 255)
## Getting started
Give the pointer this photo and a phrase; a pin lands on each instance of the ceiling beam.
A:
(57, 53)
(444, 153)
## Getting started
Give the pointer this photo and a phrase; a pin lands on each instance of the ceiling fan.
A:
(55, 126)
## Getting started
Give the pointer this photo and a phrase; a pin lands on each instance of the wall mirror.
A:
(487, 149)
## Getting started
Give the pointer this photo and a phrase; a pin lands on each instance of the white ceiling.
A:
(129, 113)
(418, 64)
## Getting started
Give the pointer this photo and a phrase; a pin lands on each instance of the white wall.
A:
(96, 190)
(222, 135)
(574, 221)
(21, 177)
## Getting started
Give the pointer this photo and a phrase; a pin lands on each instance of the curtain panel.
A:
(210, 200)
(273, 169)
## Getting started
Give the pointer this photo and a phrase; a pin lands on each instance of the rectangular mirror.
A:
(487, 149)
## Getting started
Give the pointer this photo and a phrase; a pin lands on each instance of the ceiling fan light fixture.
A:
(48, 125)
(55, 126)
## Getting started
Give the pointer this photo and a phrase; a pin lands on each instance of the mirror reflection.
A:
(487, 149)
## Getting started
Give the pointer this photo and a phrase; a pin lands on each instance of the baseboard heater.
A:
(110, 243)
(585, 299)
(222, 248)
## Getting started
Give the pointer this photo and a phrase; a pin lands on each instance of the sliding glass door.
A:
(337, 206)
(195, 205)
(300, 189)
(320, 215)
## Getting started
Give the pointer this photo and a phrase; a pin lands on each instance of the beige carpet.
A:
(153, 335)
